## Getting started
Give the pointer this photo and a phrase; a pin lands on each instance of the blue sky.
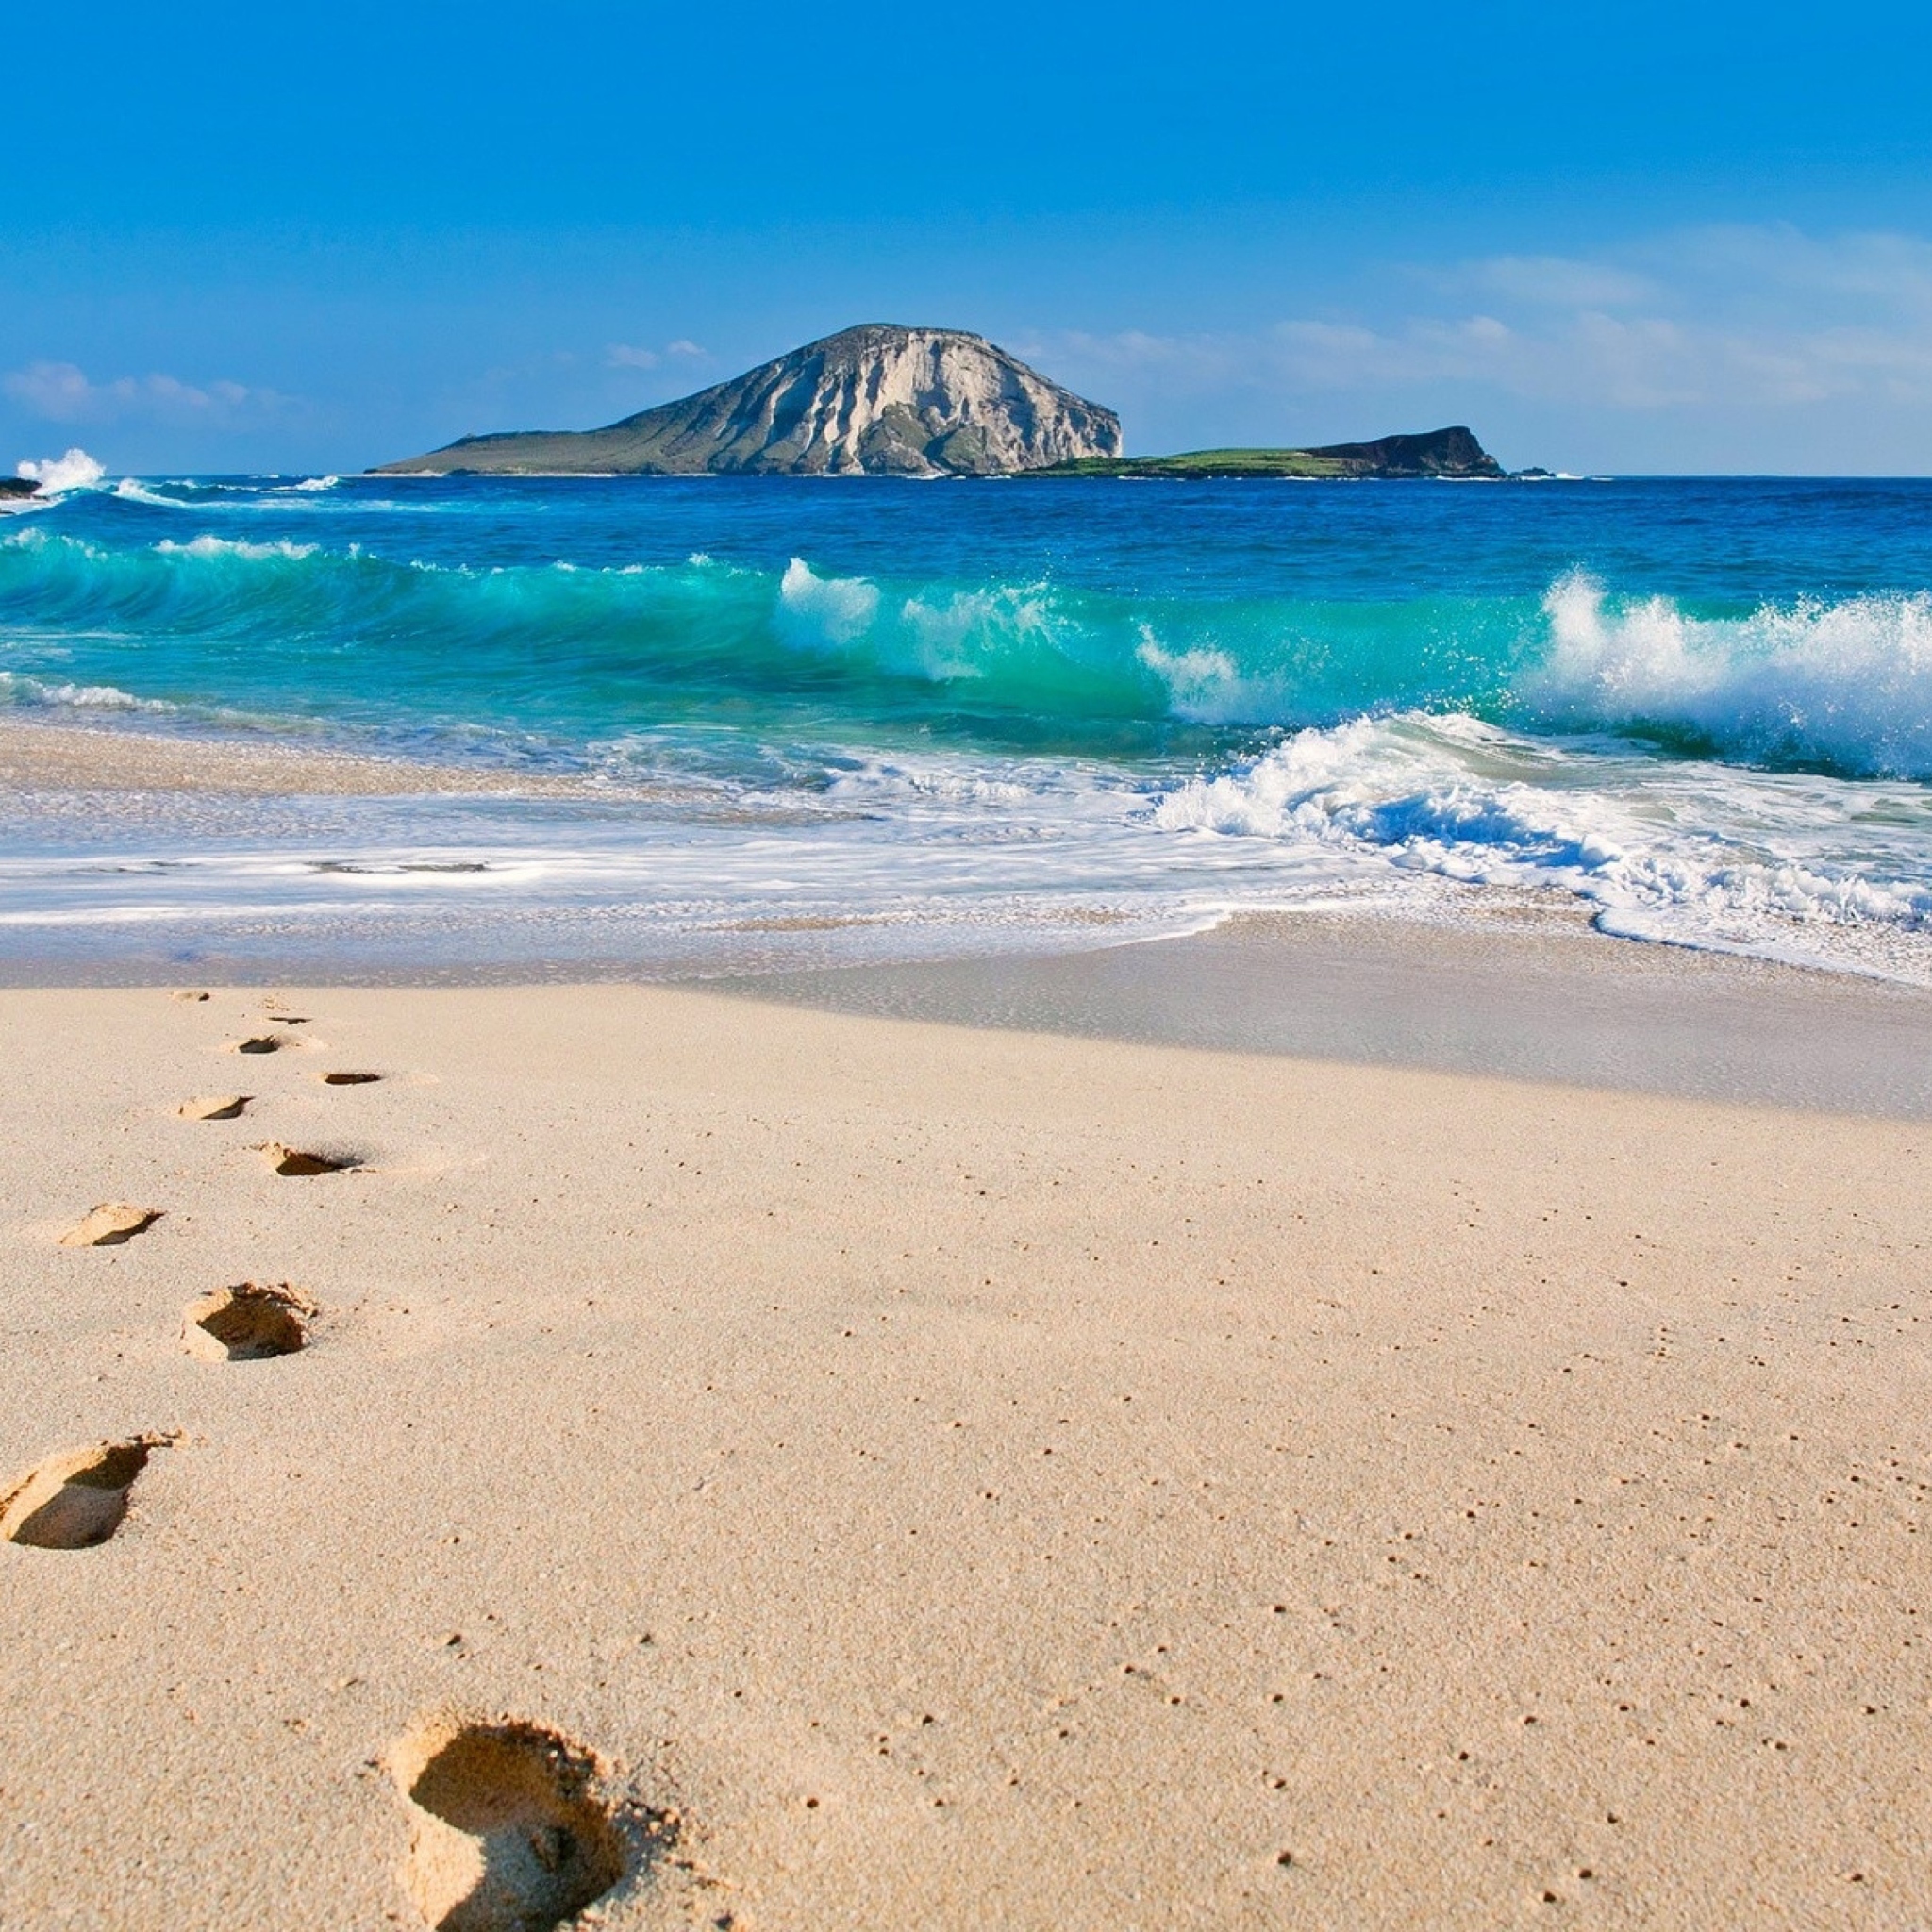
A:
(1630, 236)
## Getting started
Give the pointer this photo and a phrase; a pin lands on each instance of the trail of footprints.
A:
(512, 1828)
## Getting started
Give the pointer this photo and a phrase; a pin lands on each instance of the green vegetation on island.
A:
(1205, 463)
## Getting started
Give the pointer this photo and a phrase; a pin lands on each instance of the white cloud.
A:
(1555, 281)
(1723, 319)
(63, 392)
(634, 356)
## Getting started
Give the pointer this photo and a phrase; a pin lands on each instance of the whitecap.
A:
(232, 546)
(15, 689)
(131, 490)
(1846, 685)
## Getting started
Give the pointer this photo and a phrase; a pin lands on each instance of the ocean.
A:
(739, 724)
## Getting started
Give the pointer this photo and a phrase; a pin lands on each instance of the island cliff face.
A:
(876, 401)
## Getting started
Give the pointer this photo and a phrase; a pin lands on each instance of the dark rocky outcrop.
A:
(1453, 452)
(18, 486)
(876, 400)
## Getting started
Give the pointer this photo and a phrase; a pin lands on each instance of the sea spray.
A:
(1842, 686)
(56, 475)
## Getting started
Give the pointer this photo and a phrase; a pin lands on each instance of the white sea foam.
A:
(16, 689)
(316, 483)
(231, 546)
(1847, 684)
(1699, 852)
(76, 470)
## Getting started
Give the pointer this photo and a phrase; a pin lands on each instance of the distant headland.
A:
(880, 400)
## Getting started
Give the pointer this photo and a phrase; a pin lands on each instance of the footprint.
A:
(248, 1323)
(259, 1042)
(184, 995)
(74, 1501)
(110, 1225)
(214, 1106)
(297, 1160)
(348, 1079)
(509, 1830)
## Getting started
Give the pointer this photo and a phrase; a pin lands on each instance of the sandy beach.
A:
(856, 1472)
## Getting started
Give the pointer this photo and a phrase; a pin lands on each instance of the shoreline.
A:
(1563, 1005)
(1516, 983)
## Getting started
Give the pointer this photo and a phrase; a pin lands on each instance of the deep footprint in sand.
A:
(112, 1223)
(258, 1043)
(248, 1323)
(348, 1079)
(303, 1161)
(192, 996)
(74, 1501)
(214, 1106)
(510, 1831)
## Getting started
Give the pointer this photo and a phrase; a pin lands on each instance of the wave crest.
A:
(234, 547)
(1845, 687)
(22, 690)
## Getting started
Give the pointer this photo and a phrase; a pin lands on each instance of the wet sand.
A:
(815, 1469)
(63, 757)
(1522, 986)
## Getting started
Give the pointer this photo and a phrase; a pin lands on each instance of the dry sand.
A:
(864, 1473)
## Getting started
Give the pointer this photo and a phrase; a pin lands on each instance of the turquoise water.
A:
(825, 719)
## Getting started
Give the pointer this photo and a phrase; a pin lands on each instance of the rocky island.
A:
(873, 401)
(1452, 453)
(880, 400)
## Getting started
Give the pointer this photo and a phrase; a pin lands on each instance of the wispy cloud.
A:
(1708, 319)
(1554, 281)
(636, 355)
(63, 392)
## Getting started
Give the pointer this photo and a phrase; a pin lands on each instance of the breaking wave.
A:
(1841, 687)
(1690, 851)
